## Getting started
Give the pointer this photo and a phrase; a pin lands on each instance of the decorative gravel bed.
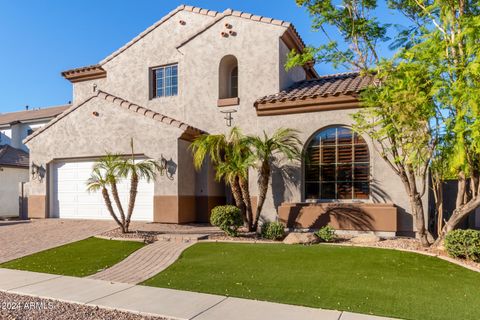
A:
(19, 307)
(133, 235)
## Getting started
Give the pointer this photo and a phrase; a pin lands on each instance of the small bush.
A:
(326, 234)
(228, 218)
(273, 230)
(463, 244)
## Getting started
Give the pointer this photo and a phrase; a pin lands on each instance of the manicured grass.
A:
(365, 280)
(77, 259)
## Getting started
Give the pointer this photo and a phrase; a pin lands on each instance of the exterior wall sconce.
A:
(95, 113)
(228, 116)
(38, 172)
(167, 167)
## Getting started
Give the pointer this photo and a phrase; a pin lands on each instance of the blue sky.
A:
(42, 38)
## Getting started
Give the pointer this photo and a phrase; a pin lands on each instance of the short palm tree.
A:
(231, 157)
(110, 165)
(99, 181)
(285, 143)
(136, 170)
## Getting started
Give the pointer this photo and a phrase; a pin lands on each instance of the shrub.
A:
(273, 230)
(463, 244)
(228, 218)
(326, 234)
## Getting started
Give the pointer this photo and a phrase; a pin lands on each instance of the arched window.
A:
(337, 165)
(228, 78)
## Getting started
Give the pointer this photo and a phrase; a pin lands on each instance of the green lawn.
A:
(365, 280)
(77, 259)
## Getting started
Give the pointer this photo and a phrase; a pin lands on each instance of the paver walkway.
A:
(168, 303)
(21, 238)
(144, 263)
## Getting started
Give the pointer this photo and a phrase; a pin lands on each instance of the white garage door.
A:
(71, 200)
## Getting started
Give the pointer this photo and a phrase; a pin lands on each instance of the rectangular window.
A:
(165, 81)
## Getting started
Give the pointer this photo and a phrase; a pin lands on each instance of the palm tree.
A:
(98, 181)
(235, 171)
(231, 157)
(136, 170)
(283, 142)
(111, 164)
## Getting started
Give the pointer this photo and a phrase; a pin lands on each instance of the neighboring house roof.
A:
(12, 157)
(189, 131)
(30, 115)
(291, 38)
(335, 91)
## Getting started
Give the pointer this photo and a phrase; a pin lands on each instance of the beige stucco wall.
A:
(261, 57)
(83, 135)
(10, 179)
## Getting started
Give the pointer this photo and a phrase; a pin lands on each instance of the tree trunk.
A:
(116, 198)
(248, 203)
(133, 196)
(457, 217)
(237, 195)
(420, 220)
(462, 182)
(263, 179)
(108, 203)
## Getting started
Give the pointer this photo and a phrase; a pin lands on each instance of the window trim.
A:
(153, 80)
(337, 199)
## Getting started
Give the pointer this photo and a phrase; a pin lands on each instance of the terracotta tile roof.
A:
(28, 115)
(85, 73)
(230, 12)
(328, 85)
(12, 157)
(188, 130)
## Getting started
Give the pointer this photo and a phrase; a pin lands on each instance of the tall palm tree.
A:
(136, 170)
(285, 143)
(110, 165)
(99, 181)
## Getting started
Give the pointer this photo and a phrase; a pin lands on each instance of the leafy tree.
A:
(449, 44)
(285, 143)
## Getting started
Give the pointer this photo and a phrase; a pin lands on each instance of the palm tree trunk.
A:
(264, 177)
(237, 195)
(133, 196)
(116, 198)
(248, 203)
(108, 203)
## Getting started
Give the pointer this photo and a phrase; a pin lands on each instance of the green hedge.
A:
(228, 218)
(463, 244)
(273, 230)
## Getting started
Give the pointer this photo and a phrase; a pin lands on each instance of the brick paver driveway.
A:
(21, 238)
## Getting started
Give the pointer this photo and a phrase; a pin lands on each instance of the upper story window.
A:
(337, 165)
(165, 81)
(228, 78)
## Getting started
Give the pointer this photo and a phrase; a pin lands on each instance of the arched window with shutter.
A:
(337, 165)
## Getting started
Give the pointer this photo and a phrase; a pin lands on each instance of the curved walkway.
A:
(144, 263)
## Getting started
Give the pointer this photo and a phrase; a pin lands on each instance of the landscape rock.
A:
(300, 238)
(365, 238)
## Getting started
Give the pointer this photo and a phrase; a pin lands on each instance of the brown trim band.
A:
(227, 102)
(85, 73)
(308, 105)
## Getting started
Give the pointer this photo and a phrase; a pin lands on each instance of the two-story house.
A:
(200, 71)
(14, 128)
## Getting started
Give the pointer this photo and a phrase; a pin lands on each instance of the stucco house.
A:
(200, 71)
(14, 165)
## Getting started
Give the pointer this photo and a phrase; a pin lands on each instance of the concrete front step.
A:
(179, 237)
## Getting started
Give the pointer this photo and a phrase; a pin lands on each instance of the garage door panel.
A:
(70, 198)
